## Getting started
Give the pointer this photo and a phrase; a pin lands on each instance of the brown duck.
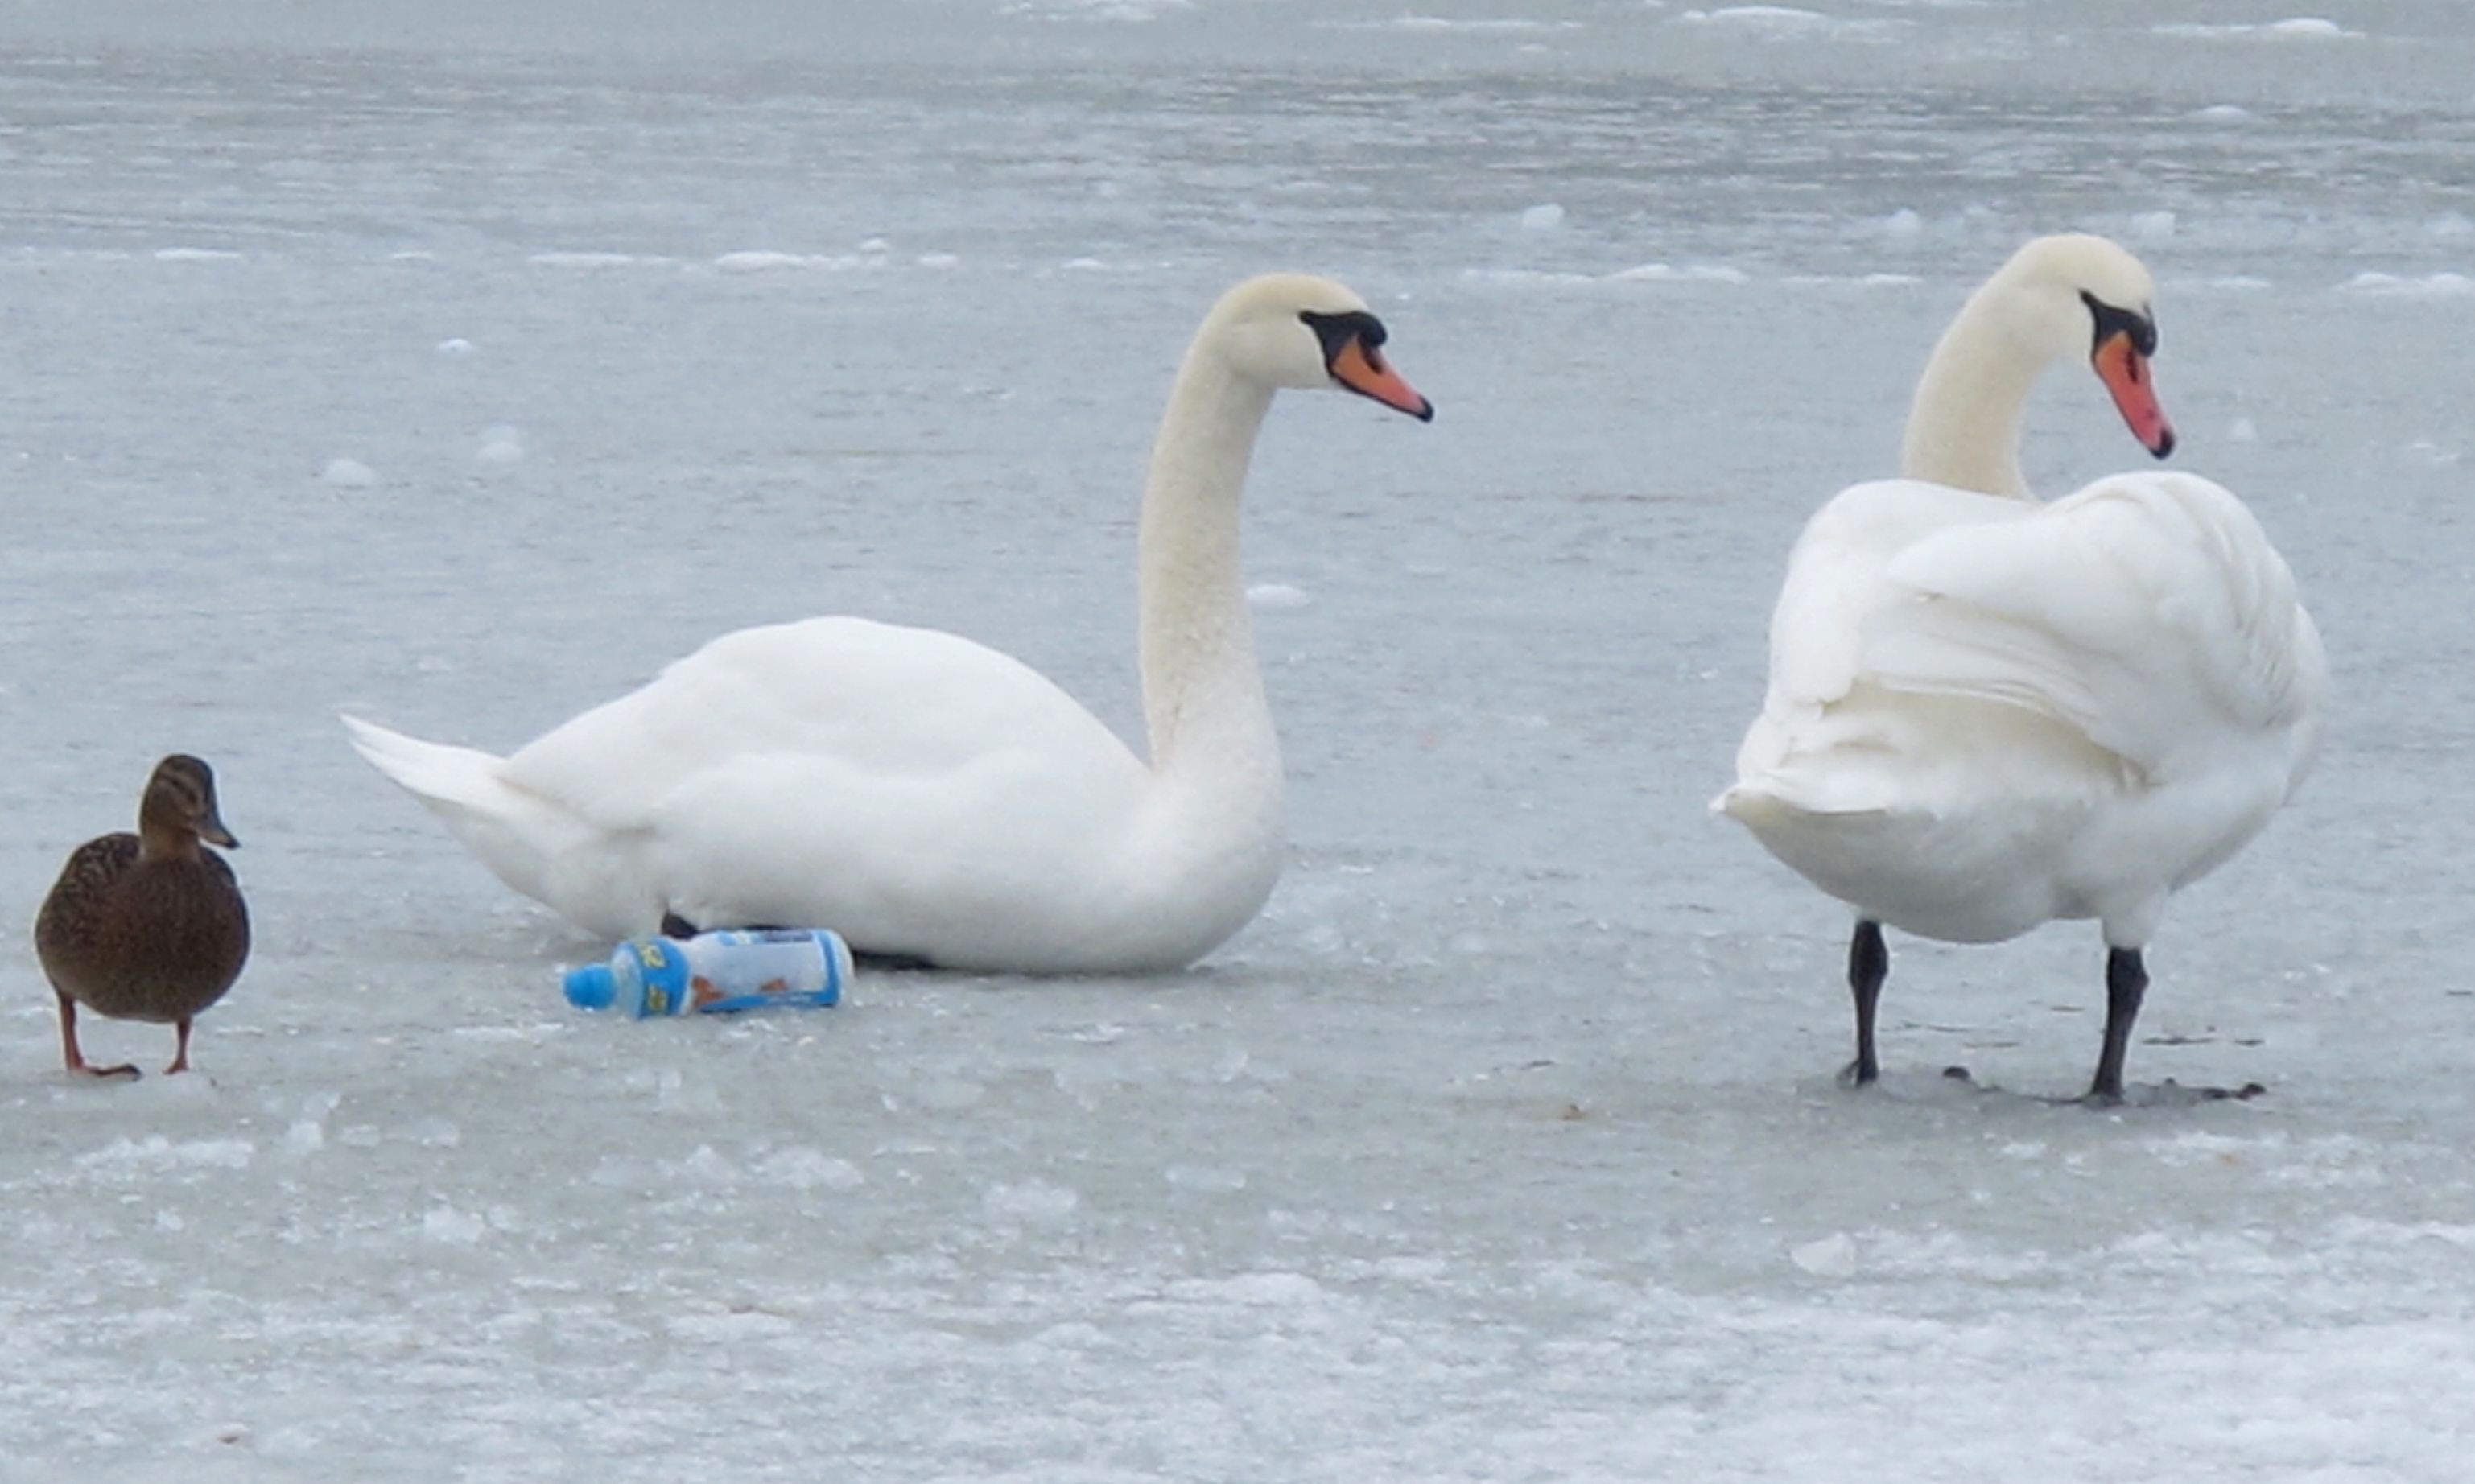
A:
(149, 926)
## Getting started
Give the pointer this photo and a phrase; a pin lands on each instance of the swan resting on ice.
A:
(926, 796)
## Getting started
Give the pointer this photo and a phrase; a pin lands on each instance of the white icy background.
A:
(461, 371)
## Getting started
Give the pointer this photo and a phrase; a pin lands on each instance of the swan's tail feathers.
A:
(440, 776)
(518, 833)
(1750, 805)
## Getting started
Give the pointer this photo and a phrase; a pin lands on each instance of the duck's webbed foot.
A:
(74, 1059)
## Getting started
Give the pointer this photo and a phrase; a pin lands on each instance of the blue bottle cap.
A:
(591, 986)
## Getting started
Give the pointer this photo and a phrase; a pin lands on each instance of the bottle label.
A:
(661, 977)
(748, 968)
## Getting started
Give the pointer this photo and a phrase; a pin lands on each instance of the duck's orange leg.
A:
(74, 1060)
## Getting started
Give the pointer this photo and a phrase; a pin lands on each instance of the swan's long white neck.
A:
(1203, 692)
(1963, 426)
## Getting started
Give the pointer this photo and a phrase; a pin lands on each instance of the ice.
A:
(500, 444)
(1449, 24)
(2311, 26)
(1092, 10)
(1506, 1144)
(1778, 17)
(461, 1229)
(1785, 22)
(766, 262)
(1694, 273)
(2301, 28)
(593, 260)
(2154, 227)
(1831, 1256)
(2441, 285)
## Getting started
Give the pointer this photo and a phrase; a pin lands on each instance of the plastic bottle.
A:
(740, 969)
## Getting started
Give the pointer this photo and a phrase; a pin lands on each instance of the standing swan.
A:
(928, 798)
(1986, 712)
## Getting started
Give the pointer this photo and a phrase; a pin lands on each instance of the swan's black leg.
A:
(1868, 963)
(676, 926)
(890, 963)
(2126, 982)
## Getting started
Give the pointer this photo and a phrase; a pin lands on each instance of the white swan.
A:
(1985, 713)
(929, 797)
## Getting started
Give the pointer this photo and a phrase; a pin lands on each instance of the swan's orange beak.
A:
(2125, 371)
(1363, 369)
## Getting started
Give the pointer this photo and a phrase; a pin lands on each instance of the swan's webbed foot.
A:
(2168, 1093)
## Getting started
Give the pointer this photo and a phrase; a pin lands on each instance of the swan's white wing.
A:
(883, 705)
(1816, 744)
(909, 787)
(2148, 611)
(1986, 712)
(1837, 576)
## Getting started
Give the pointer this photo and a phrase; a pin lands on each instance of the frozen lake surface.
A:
(459, 373)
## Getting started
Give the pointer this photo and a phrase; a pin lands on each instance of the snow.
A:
(1505, 1144)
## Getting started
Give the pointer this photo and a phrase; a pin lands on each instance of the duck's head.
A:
(1294, 329)
(2080, 290)
(178, 806)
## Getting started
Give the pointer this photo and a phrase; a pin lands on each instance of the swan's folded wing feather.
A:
(1836, 576)
(876, 699)
(2149, 611)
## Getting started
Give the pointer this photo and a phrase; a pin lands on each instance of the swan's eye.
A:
(1337, 330)
(2111, 322)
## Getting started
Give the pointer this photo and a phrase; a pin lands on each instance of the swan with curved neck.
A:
(1986, 712)
(929, 797)
(2055, 296)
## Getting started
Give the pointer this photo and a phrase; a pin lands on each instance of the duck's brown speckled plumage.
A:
(149, 926)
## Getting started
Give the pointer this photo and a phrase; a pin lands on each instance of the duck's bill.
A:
(1368, 375)
(2125, 371)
